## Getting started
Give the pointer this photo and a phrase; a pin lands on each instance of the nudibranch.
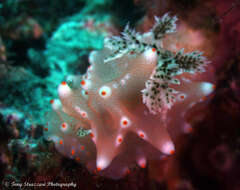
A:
(118, 114)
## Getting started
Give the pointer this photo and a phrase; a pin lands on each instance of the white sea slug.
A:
(133, 92)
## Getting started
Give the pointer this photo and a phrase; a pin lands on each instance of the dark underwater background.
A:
(42, 42)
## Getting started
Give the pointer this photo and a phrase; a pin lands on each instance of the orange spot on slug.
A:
(143, 165)
(128, 171)
(182, 96)
(64, 83)
(172, 152)
(141, 135)
(73, 152)
(64, 125)
(190, 130)
(125, 122)
(83, 82)
(120, 139)
(203, 98)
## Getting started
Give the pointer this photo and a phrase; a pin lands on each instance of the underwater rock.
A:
(24, 91)
(72, 40)
(3, 56)
(22, 27)
(38, 63)
(23, 151)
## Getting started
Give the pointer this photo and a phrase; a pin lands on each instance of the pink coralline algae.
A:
(129, 107)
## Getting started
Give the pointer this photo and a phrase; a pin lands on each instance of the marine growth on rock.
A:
(118, 114)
